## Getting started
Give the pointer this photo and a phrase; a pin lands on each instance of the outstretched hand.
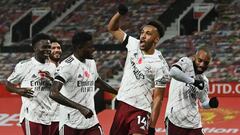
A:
(122, 9)
(213, 103)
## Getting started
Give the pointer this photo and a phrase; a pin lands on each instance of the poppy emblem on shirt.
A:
(140, 60)
(86, 73)
(42, 74)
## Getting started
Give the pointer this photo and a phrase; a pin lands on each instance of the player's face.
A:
(56, 51)
(43, 49)
(88, 50)
(148, 38)
(201, 62)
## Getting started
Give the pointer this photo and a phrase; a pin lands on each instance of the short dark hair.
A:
(206, 49)
(54, 39)
(38, 37)
(80, 38)
(159, 26)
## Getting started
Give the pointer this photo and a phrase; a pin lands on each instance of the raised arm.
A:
(113, 25)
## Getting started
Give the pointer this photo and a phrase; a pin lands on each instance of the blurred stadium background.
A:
(188, 24)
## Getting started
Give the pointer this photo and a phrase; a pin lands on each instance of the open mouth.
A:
(142, 43)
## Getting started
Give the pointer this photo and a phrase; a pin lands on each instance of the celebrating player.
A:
(188, 85)
(34, 77)
(144, 80)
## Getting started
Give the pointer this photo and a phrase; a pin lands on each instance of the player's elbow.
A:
(54, 94)
(111, 28)
(10, 87)
(205, 105)
(173, 72)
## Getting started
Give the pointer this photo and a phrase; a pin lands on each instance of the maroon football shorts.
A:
(129, 120)
(95, 130)
(171, 129)
(32, 128)
(54, 128)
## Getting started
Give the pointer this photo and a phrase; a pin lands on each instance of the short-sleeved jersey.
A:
(26, 73)
(79, 86)
(141, 74)
(182, 107)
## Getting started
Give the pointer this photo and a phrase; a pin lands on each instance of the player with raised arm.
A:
(35, 78)
(188, 86)
(144, 80)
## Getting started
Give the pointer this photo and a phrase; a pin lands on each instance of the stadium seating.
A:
(93, 17)
(13, 9)
(222, 37)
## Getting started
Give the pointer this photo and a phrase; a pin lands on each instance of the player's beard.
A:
(196, 68)
(55, 59)
(147, 45)
(90, 56)
(42, 55)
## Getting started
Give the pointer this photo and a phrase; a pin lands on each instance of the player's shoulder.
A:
(131, 43)
(90, 60)
(205, 77)
(51, 65)
(67, 62)
(159, 55)
(90, 63)
(69, 59)
(185, 60)
(25, 61)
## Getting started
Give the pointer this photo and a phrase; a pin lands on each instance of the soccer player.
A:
(188, 86)
(34, 77)
(76, 77)
(54, 57)
(56, 51)
(144, 80)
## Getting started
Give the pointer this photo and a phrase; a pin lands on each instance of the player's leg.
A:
(119, 127)
(171, 129)
(139, 122)
(198, 131)
(46, 130)
(23, 125)
(95, 130)
(31, 128)
(54, 128)
(66, 130)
